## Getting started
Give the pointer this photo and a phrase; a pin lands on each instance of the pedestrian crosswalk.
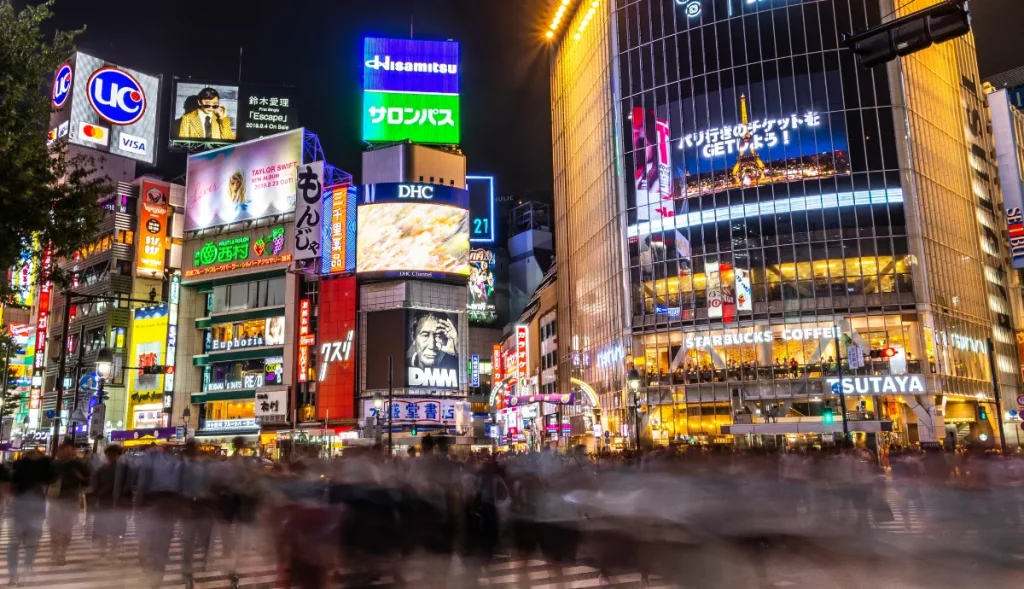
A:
(86, 568)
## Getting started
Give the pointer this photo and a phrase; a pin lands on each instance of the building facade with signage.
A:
(135, 255)
(778, 219)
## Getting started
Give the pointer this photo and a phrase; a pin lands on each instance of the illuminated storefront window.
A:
(246, 334)
(243, 375)
(224, 410)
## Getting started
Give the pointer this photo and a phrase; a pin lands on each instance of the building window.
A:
(249, 295)
(126, 237)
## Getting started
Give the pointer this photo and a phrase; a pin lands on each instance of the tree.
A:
(10, 398)
(46, 197)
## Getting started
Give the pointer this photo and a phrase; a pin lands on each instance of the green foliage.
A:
(44, 193)
(10, 399)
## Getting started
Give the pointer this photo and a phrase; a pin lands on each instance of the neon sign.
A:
(335, 352)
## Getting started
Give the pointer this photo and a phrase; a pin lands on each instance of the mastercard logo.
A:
(93, 133)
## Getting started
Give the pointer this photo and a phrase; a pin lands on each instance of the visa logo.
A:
(133, 144)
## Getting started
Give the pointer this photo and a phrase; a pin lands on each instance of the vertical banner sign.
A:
(1011, 176)
(743, 302)
(521, 355)
(711, 270)
(495, 365)
(152, 217)
(303, 363)
(339, 229)
(42, 321)
(173, 299)
(308, 209)
(304, 307)
(474, 370)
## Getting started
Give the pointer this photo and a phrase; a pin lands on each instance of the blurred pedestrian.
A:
(159, 501)
(29, 478)
(110, 501)
(65, 494)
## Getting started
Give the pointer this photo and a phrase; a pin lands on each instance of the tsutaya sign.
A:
(761, 337)
(874, 385)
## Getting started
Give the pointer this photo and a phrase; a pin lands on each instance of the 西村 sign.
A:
(271, 405)
(877, 385)
(237, 249)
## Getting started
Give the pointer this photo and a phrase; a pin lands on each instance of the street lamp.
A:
(104, 363)
(634, 385)
(378, 404)
(104, 368)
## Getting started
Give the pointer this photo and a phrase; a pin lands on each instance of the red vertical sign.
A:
(521, 350)
(495, 365)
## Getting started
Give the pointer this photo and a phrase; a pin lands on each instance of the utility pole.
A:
(995, 391)
(391, 400)
(842, 394)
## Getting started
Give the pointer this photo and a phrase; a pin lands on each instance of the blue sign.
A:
(89, 383)
(410, 192)
(410, 65)
(481, 208)
(474, 374)
(62, 85)
(116, 96)
(836, 388)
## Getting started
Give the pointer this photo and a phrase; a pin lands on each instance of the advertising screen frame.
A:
(433, 357)
(229, 96)
(211, 178)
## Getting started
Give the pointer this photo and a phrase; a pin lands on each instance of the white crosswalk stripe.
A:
(86, 569)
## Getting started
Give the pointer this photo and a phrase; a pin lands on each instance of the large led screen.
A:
(242, 182)
(432, 356)
(742, 137)
(204, 113)
(410, 90)
(105, 107)
(414, 240)
(481, 305)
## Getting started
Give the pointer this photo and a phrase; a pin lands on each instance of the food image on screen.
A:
(414, 237)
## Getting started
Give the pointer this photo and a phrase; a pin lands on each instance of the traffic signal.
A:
(414, 429)
(156, 369)
(982, 414)
(909, 34)
(827, 416)
(885, 353)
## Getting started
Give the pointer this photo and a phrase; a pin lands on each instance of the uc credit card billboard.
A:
(410, 91)
(105, 107)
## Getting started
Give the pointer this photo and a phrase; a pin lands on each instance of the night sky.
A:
(317, 47)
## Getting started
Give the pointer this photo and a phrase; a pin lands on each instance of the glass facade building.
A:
(783, 209)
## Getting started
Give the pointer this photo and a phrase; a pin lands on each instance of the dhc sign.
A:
(412, 192)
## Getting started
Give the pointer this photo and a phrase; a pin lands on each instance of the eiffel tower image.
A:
(749, 168)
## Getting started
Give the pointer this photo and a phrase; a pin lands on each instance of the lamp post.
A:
(634, 386)
(104, 368)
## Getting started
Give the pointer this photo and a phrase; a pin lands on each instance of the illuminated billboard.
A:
(410, 230)
(148, 347)
(105, 107)
(255, 248)
(410, 91)
(432, 359)
(339, 234)
(222, 114)
(206, 113)
(481, 208)
(732, 139)
(152, 234)
(336, 360)
(481, 306)
(242, 182)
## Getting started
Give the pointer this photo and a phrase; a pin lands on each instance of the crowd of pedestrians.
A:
(430, 519)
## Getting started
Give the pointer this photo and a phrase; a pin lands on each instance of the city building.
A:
(795, 227)
(531, 253)
(134, 255)
(529, 412)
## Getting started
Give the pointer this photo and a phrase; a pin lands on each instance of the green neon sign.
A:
(423, 118)
(236, 249)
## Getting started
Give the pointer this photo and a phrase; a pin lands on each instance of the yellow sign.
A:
(148, 346)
